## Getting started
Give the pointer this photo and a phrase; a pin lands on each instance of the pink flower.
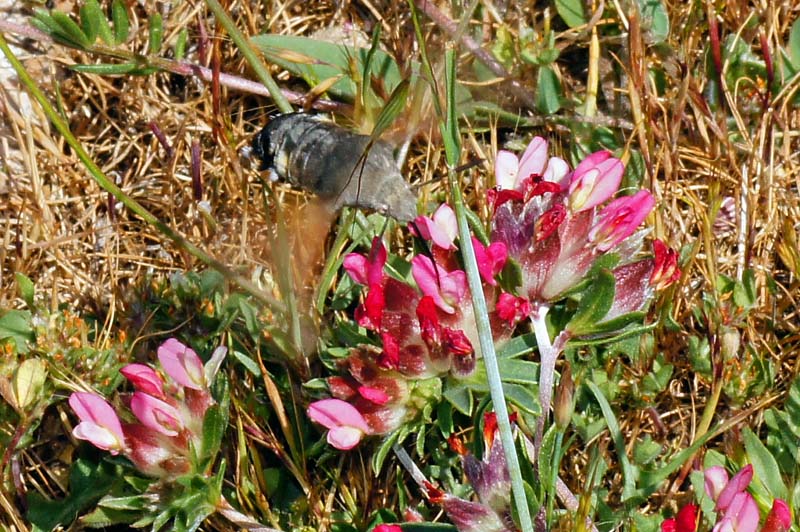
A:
(741, 515)
(620, 218)
(99, 423)
(442, 228)
(144, 379)
(491, 259)
(736, 485)
(511, 172)
(512, 309)
(182, 364)
(779, 518)
(595, 180)
(447, 288)
(716, 478)
(156, 414)
(666, 270)
(367, 270)
(346, 426)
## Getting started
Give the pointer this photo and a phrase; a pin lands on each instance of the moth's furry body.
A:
(336, 164)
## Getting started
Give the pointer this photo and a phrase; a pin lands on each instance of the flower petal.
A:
(144, 379)
(505, 170)
(331, 413)
(182, 364)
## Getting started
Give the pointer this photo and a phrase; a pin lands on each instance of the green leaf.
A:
(517, 346)
(214, 425)
(628, 472)
(460, 397)
(28, 382)
(571, 11)
(794, 44)
(16, 325)
(523, 397)
(594, 304)
(393, 108)
(180, 44)
(646, 450)
(655, 19)
(27, 290)
(450, 132)
(119, 14)
(386, 445)
(517, 371)
(316, 61)
(43, 21)
(764, 465)
(133, 502)
(548, 91)
(89, 24)
(97, 19)
(156, 33)
(70, 29)
(744, 292)
(106, 69)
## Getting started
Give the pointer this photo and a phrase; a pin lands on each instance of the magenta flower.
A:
(99, 423)
(144, 379)
(595, 180)
(346, 426)
(716, 478)
(442, 227)
(490, 259)
(620, 218)
(512, 309)
(779, 518)
(182, 364)
(684, 521)
(155, 414)
(367, 270)
(736, 485)
(446, 288)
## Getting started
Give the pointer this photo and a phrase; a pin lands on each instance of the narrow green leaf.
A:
(395, 105)
(548, 90)
(213, 430)
(156, 33)
(594, 304)
(427, 527)
(106, 69)
(180, 44)
(572, 12)
(70, 29)
(44, 21)
(366, 77)
(628, 472)
(89, 24)
(98, 19)
(119, 14)
(452, 138)
(27, 290)
(764, 465)
(386, 446)
(794, 44)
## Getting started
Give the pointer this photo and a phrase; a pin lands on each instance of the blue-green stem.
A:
(131, 204)
(250, 55)
(551, 487)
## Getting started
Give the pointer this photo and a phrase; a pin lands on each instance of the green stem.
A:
(126, 200)
(551, 487)
(250, 55)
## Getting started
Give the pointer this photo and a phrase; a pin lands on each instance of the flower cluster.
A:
(169, 412)
(735, 507)
(556, 224)
(426, 332)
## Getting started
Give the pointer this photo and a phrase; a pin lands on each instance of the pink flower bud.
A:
(779, 518)
(490, 259)
(144, 379)
(367, 270)
(716, 478)
(595, 180)
(665, 271)
(620, 218)
(99, 424)
(447, 288)
(182, 364)
(156, 414)
(442, 228)
(346, 426)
